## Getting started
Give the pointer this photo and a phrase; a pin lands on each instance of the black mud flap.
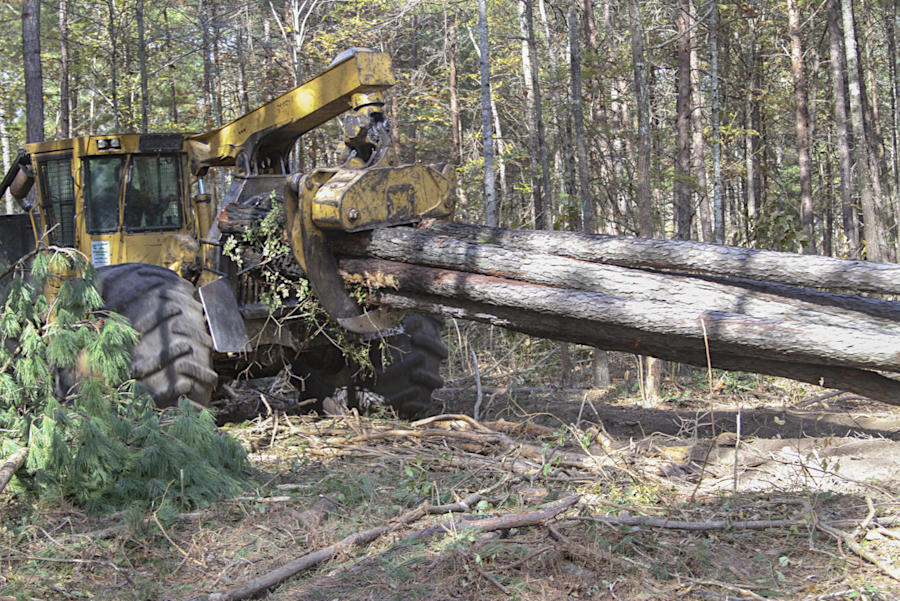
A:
(224, 317)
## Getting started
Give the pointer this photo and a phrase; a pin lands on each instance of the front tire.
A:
(173, 357)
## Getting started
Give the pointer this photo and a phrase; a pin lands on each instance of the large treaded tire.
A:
(408, 369)
(173, 357)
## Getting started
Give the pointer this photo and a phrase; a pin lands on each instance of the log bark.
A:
(693, 257)
(530, 264)
(863, 382)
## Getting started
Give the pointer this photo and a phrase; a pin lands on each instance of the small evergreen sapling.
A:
(105, 446)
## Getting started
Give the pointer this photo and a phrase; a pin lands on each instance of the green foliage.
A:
(105, 446)
(268, 237)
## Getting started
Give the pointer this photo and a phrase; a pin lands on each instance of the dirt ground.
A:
(667, 500)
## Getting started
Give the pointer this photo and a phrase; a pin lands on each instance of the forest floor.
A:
(552, 494)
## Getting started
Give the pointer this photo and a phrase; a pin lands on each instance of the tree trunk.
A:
(697, 257)
(874, 246)
(173, 91)
(556, 285)
(540, 166)
(114, 60)
(801, 117)
(583, 331)
(452, 34)
(588, 207)
(787, 348)
(642, 91)
(4, 151)
(142, 59)
(65, 113)
(413, 78)
(681, 189)
(492, 215)
(698, 158)
(582, 160)
(850, 219)
(718, 205)
(34, 77)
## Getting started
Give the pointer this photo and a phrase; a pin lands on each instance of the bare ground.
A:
(668, 507)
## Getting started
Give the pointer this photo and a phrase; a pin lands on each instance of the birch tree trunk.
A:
(4, 151)
(490, 201)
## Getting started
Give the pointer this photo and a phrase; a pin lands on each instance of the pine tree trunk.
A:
(718, 204)
(698, 157)
(452, 34)
(801, 117)
(642, 91)
(34, 77)
(113, 63)
(681, 189)
(849, 215)
(874, 247)
(601, 374)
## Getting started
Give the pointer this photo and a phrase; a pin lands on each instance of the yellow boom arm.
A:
(261, 140)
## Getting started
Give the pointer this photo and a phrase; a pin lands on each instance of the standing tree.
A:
(34, 77)
(802, 121)
(492, 215)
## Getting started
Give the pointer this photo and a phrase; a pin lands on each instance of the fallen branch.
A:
(859, 550)
(266, 581)
(12, 465)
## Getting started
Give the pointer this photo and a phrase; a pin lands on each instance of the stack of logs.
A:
(780, 314)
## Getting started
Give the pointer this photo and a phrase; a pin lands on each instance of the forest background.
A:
(761, 124)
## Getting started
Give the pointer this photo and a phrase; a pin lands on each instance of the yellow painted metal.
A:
(362, 199)
(304, 108)
(121, 246)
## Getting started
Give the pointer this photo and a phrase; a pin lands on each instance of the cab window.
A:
(103, 177)
(153, 198)
(57, 187)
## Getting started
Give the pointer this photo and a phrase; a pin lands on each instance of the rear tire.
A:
(173, 357)
(408, 368)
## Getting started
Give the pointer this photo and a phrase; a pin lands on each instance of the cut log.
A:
(632, 326)
(423, 247)
(755, 311)
(695, 257)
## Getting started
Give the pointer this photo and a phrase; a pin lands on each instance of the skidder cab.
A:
(116, 199)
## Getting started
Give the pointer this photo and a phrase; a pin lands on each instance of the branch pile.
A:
(736, 309)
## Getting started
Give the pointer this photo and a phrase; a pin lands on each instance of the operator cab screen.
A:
(152, 192)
